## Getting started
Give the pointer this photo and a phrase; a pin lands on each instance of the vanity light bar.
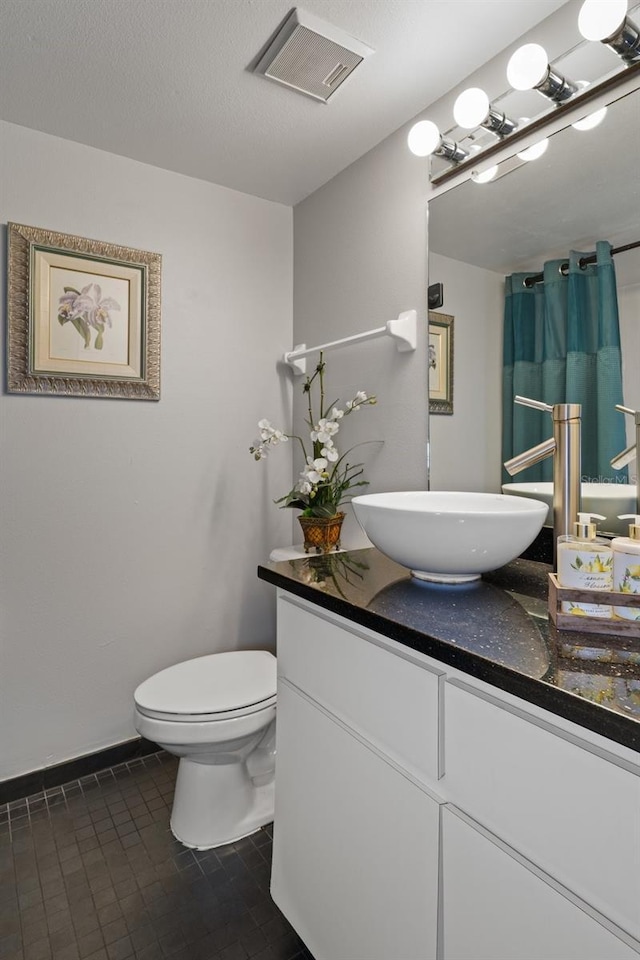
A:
(625, 81)
(529, 68)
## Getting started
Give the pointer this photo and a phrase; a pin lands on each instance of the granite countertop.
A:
(495, 629)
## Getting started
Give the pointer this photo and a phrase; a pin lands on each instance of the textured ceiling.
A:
(168, 82)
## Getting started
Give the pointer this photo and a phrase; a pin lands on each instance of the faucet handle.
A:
(627, 455)
(623, 458)
(536, 404)
(629, 411)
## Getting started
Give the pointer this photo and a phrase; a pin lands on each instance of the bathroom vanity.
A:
(455, 779)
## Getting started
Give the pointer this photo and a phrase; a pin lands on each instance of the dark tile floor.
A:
(90, 871)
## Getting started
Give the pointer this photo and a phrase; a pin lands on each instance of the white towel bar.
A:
(403, 330)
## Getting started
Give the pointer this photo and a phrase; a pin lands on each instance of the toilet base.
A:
(215, 804)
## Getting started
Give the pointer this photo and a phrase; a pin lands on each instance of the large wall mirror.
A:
(585, 188)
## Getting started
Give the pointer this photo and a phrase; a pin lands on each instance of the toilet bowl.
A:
(217, 714)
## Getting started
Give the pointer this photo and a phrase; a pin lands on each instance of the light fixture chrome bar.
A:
(625, 42)
(450, 151)
(499, 123)
(556, 87)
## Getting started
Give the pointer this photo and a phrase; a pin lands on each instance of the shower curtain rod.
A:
(582, 263)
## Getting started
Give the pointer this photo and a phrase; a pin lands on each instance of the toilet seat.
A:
(216, 687)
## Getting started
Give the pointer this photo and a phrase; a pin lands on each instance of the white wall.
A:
(360, 260)
(466, 447)
(131, 530)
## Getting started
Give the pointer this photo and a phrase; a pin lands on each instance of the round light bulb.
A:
(535, 151)
(592, 119)
(527, 67)
(424, 138)
(471, 108)
(485, 176)
(601, 19)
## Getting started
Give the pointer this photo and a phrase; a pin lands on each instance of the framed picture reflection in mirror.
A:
(440, 363)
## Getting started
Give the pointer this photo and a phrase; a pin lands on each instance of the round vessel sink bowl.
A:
(607, 499)
(449, 537)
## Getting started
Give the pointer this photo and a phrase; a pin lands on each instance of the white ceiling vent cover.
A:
(311, 56)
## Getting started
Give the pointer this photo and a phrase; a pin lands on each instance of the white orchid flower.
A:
(270, 434)
(330, 453)
(337, 414)
(359, 399)
(324, 430)
(314, 471)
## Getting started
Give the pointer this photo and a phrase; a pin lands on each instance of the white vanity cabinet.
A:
(422, 814)
(496, 906)
(561, 801)
(355, 860)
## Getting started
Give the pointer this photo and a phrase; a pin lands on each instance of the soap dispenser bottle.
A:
(626, 565)
(586, 561)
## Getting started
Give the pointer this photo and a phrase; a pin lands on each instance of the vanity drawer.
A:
(391, 701)
(498, 906)
(561, 802)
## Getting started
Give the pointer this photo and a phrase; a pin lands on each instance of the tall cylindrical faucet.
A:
(567, 466)
(565, 445)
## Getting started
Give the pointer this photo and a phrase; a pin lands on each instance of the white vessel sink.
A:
(449, 537)
(607, 499)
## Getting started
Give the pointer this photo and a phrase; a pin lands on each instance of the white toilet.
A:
(217, 713)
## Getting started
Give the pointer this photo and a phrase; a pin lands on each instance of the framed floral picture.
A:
(440, 363)
(83, 317)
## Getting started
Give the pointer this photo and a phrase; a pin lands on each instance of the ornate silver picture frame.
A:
(83, 317)
(440, 363)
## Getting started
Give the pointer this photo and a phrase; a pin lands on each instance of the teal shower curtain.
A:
(562, 345)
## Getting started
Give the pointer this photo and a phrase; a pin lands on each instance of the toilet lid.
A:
(217, 683)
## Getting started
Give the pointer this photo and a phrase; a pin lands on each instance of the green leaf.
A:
(324, 510)
(71, 290)
(83, 329)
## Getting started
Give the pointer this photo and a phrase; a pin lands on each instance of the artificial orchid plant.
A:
(327, 476)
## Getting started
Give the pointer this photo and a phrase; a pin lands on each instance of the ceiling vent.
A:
(311, 56)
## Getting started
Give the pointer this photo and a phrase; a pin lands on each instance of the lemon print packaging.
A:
(626, 566)
(586, 561)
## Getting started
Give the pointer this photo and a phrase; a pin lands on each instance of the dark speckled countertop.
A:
(495, 629)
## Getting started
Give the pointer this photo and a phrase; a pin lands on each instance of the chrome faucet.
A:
(628, 455)
(565, 446)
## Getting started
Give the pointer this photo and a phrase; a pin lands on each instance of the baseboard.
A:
(30, 783)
